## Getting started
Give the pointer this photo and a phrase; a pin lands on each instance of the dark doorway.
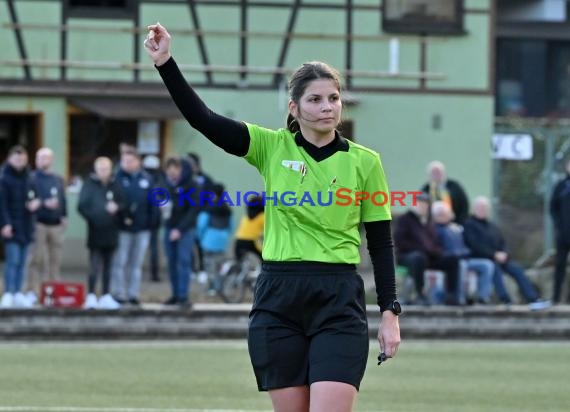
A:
(92, 136)
(19, 129)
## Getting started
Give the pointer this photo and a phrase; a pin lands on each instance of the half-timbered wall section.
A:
(418, 77)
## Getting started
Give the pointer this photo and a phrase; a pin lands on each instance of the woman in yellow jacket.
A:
(249, 235)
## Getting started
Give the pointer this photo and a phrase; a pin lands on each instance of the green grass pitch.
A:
(216, 376)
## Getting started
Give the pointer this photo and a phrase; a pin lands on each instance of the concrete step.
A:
(219, 321)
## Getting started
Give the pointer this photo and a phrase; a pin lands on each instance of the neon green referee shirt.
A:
(307, 217)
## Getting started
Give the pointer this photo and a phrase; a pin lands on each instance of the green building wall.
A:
(449, 120)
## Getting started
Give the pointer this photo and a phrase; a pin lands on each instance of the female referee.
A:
(308, 331)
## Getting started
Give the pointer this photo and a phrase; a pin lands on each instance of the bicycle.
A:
(238, 277)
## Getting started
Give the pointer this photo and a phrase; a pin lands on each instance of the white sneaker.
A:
(202, 277)
(7, 300)
(108, 302)
(539, 304)
(32, 297)
(21, 301)
(90, 301)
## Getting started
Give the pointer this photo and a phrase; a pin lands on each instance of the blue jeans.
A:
(484, 269)
(127, 264)
(16, 254)
(517, 273)
(179, 256)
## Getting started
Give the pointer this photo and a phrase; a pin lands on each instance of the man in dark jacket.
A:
(192, 167)
(560, 212)
(151, 165)
(100, 203)
(180, 216)
(439, 187)
(486, 241)
(134, 228)
(18, 205)
(417, 248)
(47, 250)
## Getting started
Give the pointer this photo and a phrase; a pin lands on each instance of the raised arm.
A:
(228, 134)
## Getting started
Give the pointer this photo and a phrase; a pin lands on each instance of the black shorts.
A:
(308, 326)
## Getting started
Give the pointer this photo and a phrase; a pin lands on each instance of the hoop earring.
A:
(292, 123)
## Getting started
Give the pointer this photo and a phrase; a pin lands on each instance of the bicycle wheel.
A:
(233, 285)
(251, 266)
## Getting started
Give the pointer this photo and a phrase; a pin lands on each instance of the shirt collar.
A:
(338, 144)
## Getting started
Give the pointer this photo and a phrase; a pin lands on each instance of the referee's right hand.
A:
(157, 44)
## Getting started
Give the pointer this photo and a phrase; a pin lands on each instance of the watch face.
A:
(397, 307)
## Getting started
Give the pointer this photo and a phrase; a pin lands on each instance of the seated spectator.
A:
(249, 234)
(485, 240)
(417, 249)
(214, 230)
(439, 187)
(450, 236)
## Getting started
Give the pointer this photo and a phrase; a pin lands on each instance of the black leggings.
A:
(100, 260)
(241, 247)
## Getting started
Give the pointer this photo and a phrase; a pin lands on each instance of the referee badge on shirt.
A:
(144, 184)
(295, 165)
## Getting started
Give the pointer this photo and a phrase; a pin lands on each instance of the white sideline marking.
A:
(122, 344)
(111, 409)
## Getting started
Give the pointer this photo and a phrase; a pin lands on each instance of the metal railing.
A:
(393, 71)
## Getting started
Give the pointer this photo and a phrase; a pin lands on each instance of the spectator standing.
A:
(203, 183)
(18, 205)
(179, 224)
(51, 220)
(101, 201)
(560, 212)
(151, 165)
(134, 229)
(202, 180)
(439, 187)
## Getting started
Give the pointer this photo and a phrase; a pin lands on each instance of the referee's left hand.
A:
(389, 334)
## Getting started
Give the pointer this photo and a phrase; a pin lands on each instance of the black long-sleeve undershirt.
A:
(228, 134)
(233, 137)
(381, 249)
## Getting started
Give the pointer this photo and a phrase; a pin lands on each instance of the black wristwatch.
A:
(394, 307)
